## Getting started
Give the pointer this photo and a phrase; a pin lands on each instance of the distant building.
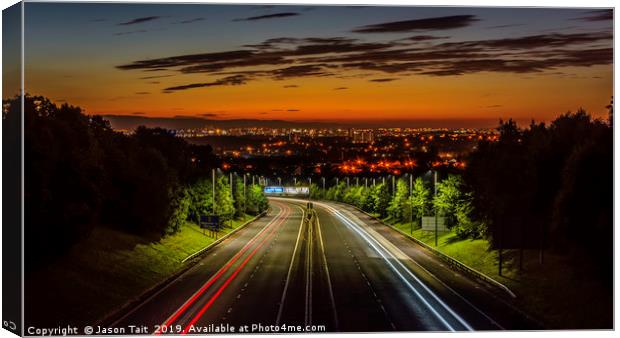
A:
(361, 136)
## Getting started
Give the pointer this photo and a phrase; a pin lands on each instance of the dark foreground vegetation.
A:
(540, 187)
(81, 174)
(540, 199)
(542, 195)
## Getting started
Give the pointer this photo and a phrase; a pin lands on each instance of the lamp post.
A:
(393, 185)
(436, 218)
(245, 196)
(232, 197)
(213, 192)
(410, 201)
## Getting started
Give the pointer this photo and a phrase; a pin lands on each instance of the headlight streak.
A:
(369, 239)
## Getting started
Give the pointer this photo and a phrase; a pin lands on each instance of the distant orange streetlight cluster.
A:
(394, 167)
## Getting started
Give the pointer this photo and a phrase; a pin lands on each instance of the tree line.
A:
(548, 187)
(80, 173)
(541, 187)
(409, 200)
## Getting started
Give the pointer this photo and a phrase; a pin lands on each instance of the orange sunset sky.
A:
(320, 63)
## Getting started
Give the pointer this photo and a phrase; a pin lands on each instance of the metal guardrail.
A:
(458, 264)
(113, 316)
(450, 260)
(218, 241)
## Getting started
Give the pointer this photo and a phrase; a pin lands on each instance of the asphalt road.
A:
(339, 271)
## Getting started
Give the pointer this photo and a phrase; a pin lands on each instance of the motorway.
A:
(332, 268)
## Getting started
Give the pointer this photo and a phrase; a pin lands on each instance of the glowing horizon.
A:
(359, 64)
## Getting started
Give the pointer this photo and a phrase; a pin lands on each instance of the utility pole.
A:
(357, 181)
(393, 185)
(410, 201)
(323, 178)
(245, 197)
(436, 218)
(279, 181)
(365, 182)
(347, 181)
(213, 186)
(336, 181)
(232, 197)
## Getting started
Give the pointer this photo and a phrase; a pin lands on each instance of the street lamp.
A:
(410, 201)
(213, 186)
(436, 218)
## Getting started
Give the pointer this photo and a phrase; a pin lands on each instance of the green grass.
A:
(106, 270)
(563, 293)
(472, 252)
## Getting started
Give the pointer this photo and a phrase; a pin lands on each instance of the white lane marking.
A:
(394, 248)
(398, 251)
(290, 268)
(329, 281)
(370, 241)
(308, 309)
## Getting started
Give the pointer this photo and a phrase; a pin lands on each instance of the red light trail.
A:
(277, 220)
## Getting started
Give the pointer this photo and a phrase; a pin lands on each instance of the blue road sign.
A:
(209, 221)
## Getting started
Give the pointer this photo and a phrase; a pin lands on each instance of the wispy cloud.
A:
(209, 115)
(598, 15)
(269, 16)
(130, 32)
(428, 24)
(227, 81)
(183, 22)
(383, 80)
(139, 20)
(289, 58)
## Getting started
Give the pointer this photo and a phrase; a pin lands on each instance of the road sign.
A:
(210, 221)
(428, 223)
(286, 191)
(274, 190)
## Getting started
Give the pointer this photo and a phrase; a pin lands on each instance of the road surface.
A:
(339, 271)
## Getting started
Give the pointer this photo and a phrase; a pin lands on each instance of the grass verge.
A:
(563, 293)
(106, 270)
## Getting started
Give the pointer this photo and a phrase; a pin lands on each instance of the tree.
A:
(180, 214)
(446, 200)
(240, 199)
(397, 209)
(201, 199)
(224, 203)
(381, 199)
(420, 200)
(257, 201)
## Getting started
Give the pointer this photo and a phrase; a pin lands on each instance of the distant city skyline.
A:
(355, 65)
